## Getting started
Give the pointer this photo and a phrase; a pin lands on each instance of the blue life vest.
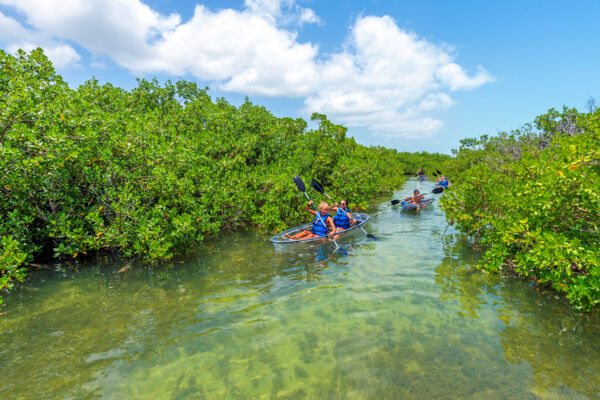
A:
(318, 228)
(444, 183)
(341, 220)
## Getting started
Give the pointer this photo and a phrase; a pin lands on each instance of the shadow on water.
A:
(402, 317)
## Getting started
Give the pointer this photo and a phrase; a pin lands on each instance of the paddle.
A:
(437, 190)
(319, 188)
(300, 183)
(394, 202)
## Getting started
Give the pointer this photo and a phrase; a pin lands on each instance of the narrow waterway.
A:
(402, 317)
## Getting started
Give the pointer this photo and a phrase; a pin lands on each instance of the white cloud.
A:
(435, 101)
(270, 9)
(61, 55)
(454, 76)
(242, 51)
(16, 37)
(308, 16)
(386, 79)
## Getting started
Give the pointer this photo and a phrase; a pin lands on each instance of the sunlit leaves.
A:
(536, 210)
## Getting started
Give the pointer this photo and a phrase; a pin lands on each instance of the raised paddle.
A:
(300, 183)
(319, 188)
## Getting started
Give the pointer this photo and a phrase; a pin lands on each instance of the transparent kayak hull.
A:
(411, 206)
(280, 238)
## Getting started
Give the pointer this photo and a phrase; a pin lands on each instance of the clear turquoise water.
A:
(404, 317)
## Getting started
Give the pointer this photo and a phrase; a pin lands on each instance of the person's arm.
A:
(310, 210)
(331, 225)
(352, 220)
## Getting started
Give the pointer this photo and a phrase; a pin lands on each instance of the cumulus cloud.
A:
(61, 55)
(16, 36)
(386, 79)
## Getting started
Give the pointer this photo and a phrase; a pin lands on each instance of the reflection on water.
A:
(402, 317)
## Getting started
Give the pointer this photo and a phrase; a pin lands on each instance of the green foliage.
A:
(150, 172)
(11, 261)
(530, 199)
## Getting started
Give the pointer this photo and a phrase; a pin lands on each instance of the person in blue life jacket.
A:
(443, 181)
(416, 198)
(317, 229)
(342, 219)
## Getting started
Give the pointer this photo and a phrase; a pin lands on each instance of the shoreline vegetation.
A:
(530, 201)
(149, 172)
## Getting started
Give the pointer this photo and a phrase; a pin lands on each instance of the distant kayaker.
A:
(317, 229)
(443, 181)
(343, 219)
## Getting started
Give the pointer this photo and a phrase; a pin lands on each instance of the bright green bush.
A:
(149, 172)
(531, 200)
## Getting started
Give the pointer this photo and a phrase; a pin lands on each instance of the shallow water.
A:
(402, 317)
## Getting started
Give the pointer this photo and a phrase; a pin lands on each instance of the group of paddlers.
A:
(324, 224)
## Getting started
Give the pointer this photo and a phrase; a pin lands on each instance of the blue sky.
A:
(413, 75)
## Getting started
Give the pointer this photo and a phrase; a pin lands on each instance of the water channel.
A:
(403, 317)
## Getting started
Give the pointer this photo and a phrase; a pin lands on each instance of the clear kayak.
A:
(280, 238)
(410, 206)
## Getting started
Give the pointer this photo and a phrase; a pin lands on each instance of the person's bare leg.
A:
(300, 236)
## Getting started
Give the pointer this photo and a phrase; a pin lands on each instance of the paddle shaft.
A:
(321, 218)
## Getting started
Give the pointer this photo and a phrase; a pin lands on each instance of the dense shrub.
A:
(531, 200)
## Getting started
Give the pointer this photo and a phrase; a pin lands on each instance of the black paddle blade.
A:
(371, 236)
(300, 183)
(439, 173)
(317, 186)
(437, 190)
(394, 202)
(434, 174)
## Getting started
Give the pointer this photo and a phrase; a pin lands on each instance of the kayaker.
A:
(317, 229)
(416, 198)
(343, 219)
(443, 181)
